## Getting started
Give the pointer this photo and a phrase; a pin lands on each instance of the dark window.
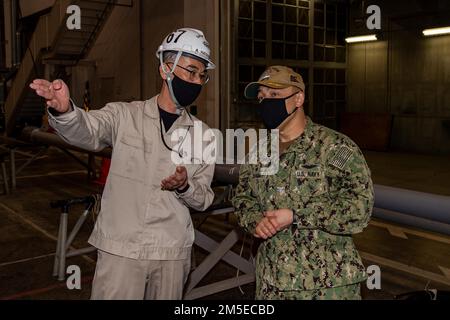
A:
(245, 9)
(260, 11)
(259, 49)
(286, 37)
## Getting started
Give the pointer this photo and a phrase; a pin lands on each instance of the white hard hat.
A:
(188, 41)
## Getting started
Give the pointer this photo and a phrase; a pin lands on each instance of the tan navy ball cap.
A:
(276, 77)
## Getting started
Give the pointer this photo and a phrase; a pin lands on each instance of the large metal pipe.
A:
(409, 220)
(418, 209)
(420, 204)
(33, 134)
(227, 173)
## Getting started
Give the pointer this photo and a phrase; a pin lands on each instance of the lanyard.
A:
(162, 135)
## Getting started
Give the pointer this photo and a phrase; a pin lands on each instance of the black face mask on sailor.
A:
(185, 92)
(274, 111)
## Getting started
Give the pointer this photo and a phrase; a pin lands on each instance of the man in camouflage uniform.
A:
(307, 212)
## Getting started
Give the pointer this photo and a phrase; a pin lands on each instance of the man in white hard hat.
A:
(144, 232)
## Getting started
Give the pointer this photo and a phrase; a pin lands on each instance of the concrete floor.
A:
(409, 259)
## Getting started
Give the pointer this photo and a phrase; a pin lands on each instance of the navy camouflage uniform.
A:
(324, 178)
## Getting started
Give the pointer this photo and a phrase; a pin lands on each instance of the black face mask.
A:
(274, 112)
(185, 92)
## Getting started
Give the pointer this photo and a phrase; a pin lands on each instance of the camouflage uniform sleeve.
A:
(350, 195)
(247, 208)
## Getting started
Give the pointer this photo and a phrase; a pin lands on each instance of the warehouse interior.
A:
(389, 94)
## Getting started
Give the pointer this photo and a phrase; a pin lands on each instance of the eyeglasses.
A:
(194, 74)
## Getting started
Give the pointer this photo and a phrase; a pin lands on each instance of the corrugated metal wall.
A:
(406, 75)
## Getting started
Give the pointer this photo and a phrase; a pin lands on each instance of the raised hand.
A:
(56, 93)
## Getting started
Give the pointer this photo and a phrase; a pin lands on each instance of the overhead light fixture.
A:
(370, 37)
(436, 31)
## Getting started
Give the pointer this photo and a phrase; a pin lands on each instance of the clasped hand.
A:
(274, 222)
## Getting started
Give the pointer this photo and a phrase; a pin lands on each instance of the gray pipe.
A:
(33, 134)
(227, 173)
(409, 220)
(418, 209)
(420, 204)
